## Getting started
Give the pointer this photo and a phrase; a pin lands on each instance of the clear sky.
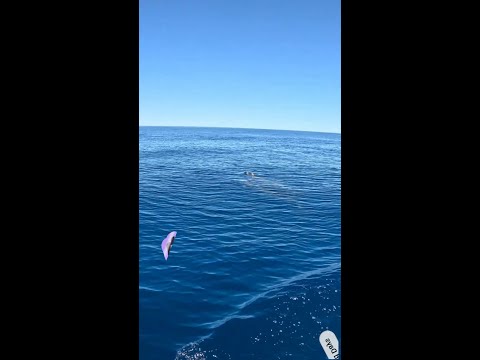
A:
(266, 64)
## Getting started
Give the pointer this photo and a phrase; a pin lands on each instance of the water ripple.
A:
(253, 256)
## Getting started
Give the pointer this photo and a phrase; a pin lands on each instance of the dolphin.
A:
(271, 187)
(167, 243)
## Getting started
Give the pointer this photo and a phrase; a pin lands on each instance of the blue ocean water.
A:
(254, 272)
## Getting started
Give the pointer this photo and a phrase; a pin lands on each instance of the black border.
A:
(79, 139)
(367, 315)
(377, 236)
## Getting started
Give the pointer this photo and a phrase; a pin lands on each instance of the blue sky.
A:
(266, 64)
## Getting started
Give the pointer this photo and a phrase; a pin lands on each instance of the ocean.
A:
(254, 272)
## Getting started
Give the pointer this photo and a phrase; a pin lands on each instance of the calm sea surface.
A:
(254, 272)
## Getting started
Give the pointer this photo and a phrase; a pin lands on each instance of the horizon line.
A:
(227, 127)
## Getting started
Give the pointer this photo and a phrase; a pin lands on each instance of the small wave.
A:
(147, 288)
(193, 351)
(286, 320)
(218, 323)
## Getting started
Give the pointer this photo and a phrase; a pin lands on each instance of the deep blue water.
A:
(254, 272)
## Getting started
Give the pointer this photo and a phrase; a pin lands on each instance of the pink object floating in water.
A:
(167, 243)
